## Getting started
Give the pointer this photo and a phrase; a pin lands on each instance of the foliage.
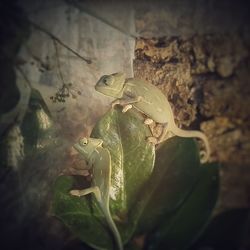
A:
(132, 163)
(160, 198)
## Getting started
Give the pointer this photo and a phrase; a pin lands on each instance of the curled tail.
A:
(192, 133)
(113, 228)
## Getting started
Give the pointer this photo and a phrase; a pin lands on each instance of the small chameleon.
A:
(149, 100)
(99, 159)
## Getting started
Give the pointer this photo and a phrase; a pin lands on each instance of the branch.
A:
(107, 22)
(57, 61)
(53, 37)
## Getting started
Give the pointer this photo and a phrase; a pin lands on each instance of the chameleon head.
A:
(111, 85)
(86, 146)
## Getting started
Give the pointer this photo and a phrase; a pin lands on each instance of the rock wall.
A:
(197, 52)
(206, 79)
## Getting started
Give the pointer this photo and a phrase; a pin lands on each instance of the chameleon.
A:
(148, 99)
(99, 159)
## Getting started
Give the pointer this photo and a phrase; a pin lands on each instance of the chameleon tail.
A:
(113, 228)
(192, 133)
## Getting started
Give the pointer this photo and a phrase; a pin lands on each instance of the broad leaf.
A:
(177, 167)
(124, 135)
(132, 164)
(80, 215)
(180, 229)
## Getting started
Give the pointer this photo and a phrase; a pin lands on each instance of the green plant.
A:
(166, 196)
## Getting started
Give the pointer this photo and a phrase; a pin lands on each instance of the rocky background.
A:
(196, 52)
(206, 79)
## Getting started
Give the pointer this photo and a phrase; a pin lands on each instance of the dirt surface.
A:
(206, 79)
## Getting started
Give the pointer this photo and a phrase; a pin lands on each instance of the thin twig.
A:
(59, 41)
(57, 61)
(112, 25)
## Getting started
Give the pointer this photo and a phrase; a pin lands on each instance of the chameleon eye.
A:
(108, 80)
(105, 81)
(84, 141)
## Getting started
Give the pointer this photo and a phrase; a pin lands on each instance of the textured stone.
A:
(206, 80)
(185, 18)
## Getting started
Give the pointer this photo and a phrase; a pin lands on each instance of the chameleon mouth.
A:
(108, 91)
(101, 89)
(77, 148)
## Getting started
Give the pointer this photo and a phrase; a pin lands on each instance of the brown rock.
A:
(206, 80)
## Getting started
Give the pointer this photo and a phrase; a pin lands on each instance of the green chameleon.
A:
(149, 100)
(99, 159)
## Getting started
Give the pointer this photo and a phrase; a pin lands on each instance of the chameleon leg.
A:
(126, 101)
(115, 102)
(152, 140)
(79, 193)
(157, 140)
(149, 121)
(163, 133)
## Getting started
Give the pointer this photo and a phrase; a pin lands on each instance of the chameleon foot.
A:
(203, 156)
(148, 121)
(75, 193)
(152, 139)
(126, 108)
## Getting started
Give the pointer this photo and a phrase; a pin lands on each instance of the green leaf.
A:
(38, 128)
(228, 230)
(132, 159)
(124, 135)
(80, 215)
(185, 225)
(177, 168)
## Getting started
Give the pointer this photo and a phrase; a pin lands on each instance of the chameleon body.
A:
(99, 159)
(149, 100)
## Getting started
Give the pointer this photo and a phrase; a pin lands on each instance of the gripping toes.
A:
(75, 193)
(126, 108)
(148, 121)
(152, 139)
(203, 156)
